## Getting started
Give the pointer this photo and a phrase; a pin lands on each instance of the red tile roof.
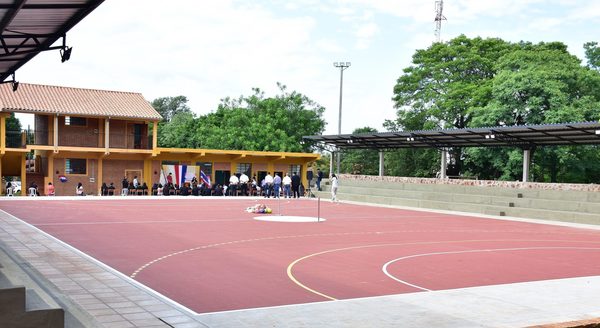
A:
(48, 99)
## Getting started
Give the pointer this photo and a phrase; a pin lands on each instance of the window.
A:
(75, 166)
(75, 121)
(205, 167)
(244, 168)
(295, 169)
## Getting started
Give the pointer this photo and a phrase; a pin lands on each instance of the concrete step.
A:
(486, 196)
(491, 209)
(564, 195)
(12, 301)
(21, 305)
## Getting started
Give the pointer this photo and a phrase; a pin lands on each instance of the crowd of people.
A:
(238, 185)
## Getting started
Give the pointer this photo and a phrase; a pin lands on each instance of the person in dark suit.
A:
(319, 179)
(309, 177)
(295, 185)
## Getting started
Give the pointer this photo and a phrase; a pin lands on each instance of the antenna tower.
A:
(439, 17)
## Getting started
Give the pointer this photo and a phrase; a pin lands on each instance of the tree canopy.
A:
(490, 82)
(254, 122)
(168, 107)
(361, 161)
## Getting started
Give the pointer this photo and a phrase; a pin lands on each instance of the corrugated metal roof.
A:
(525, 136)
(47, 99)
(28, 27)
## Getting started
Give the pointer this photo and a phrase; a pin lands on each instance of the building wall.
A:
(117, 134)
(115, 170)
(68, 188)
(80, 136)
(222, 166)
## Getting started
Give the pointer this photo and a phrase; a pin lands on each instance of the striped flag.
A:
(205, 178)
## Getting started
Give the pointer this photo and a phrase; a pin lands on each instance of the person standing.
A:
(287, 186)
(268, 185)
(319, 179)
(334, 188)
(244, 179)
(296, 185)
(276, 185)
(136, 183)
(125, 185)
(233, 183)
(309, 176)
(170, 178)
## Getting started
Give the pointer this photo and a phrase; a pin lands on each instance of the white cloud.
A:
(207, 50)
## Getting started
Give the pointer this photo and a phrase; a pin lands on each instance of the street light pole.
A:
(342, 66)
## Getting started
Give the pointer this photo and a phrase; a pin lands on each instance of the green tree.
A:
(168, 107)
(489, 82)
(592, 53)
(537, 84)
(262, 123)
(444, 84)
(179, 132)
(361, 161)
(13, 123)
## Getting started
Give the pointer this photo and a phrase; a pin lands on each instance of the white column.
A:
(331, 164)
(444, 164)
(526, 162)
(55, 135)
(106, 135)
(380, 163)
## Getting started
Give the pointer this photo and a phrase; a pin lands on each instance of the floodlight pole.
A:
(342, 66)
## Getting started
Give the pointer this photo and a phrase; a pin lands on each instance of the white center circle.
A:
(287, 218)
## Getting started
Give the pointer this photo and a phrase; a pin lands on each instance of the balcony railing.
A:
(88, 138)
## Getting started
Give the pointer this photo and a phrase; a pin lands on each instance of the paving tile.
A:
(116, 305)
(110, 318)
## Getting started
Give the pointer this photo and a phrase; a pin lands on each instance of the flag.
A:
(205, 178)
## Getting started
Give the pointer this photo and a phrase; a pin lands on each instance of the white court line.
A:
(386, 272)
(136, 222)
(108, 268)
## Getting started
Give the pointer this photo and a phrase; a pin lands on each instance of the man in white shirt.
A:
(287, 186)
(244, 184)
(136, 183)
(233, 182)
(268, 185)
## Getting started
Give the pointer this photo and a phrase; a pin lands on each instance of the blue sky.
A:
(208, 50)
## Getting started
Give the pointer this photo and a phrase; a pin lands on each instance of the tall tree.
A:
(168, 107)
(13, 131)
(360, 161)
(445, 83)
(592, 53)
(538, 84)
(489, 82)
(262, 123)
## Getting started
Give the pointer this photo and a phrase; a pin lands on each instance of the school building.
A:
(93, 136)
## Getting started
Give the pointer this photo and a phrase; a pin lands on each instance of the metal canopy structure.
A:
(28, 27)
(522, 136)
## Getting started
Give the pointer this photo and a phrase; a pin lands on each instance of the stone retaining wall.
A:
(476, 183)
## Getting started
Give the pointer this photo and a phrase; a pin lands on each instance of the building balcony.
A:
(83, 139)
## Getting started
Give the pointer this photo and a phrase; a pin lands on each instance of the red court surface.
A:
(210, 255)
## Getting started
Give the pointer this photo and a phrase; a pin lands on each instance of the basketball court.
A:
(211, 255)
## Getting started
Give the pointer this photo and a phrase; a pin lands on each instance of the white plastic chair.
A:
(9, 192)
(32, 192)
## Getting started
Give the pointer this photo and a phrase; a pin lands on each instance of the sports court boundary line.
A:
(106, 267)
(303, 286)
(480, 215)
(491, 250)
